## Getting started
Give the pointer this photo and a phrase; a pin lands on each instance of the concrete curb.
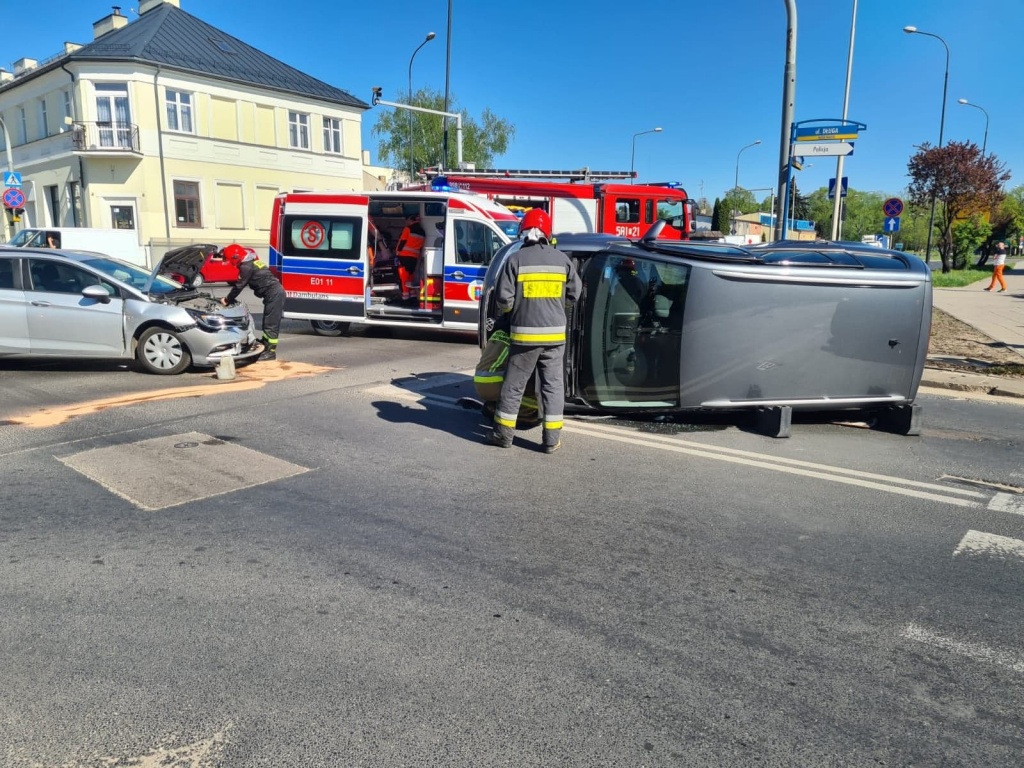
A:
(972, 382)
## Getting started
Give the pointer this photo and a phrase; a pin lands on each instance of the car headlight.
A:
(208, 321)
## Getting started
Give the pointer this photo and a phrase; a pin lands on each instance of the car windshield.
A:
(28, 237)
(134, 276)
(509, 227)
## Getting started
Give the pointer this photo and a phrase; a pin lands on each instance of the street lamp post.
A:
(632, 155)
(736, 183)
(984, 142)
(412, 166)
(942, 128)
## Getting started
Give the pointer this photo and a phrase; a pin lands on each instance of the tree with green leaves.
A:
(720, 221)
(482, 140)
(1008, 222)
(962, 181)
(968, 236)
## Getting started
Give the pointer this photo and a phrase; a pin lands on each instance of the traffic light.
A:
(377, 92)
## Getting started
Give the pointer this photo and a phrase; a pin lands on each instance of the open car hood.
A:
(185, 262)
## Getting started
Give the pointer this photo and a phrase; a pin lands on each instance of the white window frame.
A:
(23, 125)
(181, 105)
(44, 127)
(334, 143)
(298, 130)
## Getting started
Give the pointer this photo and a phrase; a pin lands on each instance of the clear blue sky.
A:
(578, 79)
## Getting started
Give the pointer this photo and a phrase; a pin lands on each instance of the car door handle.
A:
(41, 304)
(355, 271)
(459, 274)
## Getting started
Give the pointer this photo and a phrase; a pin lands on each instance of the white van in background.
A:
(117, 243)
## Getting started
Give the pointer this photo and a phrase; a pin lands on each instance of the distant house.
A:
(173, 128)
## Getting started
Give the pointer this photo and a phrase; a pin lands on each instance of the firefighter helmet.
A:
(234, 253)
(536, 218)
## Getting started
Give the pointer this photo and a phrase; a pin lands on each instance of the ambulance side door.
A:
(324, 263)
(470, 244)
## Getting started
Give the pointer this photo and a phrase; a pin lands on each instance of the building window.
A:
(22, 126)
(298, 130)
(179, 111)
(67, 104)
(43, 122)
(186, 204)
(332, 135)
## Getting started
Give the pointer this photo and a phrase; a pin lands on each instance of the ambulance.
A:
(335, 255)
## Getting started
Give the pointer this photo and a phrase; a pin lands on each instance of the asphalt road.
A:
(332, 570)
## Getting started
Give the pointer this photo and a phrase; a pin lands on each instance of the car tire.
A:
(198, 280)
(329, 328)
(162, 352)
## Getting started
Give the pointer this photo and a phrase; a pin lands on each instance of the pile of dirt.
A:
(956, 346)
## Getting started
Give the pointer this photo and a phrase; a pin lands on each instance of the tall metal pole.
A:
(837, 223)
(447, 81)
(10, 155)
(788, 107)
(412, 162)
(736, 184)
(633, 154)
(942, 128)
(984, 142)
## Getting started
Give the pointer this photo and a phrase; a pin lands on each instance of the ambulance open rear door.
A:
(318, 244)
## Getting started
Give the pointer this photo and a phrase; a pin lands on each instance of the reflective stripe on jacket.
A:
(410, 244)
(533, 286)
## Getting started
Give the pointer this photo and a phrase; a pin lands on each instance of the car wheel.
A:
(329, 328)
(162, 351)
(197, 280)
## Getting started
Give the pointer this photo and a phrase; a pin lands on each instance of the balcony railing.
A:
(105, 137)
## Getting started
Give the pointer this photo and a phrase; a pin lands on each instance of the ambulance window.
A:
(475, 242)
(329, 237)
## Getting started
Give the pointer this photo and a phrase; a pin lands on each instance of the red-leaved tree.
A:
(963, 182)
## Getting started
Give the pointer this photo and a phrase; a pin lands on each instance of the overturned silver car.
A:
(666, 327)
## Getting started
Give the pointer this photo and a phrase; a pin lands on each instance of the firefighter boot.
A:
(501, 436)
(269, 350)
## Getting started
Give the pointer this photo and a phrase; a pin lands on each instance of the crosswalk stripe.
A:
(975, 651)
(1007, 502)
(989, 544)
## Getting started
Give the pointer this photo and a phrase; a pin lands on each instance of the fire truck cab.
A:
(584, 200)
(335, 253)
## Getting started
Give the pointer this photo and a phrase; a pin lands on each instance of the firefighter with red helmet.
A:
(532, 289)
(254, 273)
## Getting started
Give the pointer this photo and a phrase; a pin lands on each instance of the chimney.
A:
(21, 66)
(5, 76)
(109, 23)
(145, 6)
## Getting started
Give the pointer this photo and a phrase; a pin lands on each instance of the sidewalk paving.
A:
(1000, 316)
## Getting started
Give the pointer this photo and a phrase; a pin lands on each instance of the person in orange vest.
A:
(409, 251)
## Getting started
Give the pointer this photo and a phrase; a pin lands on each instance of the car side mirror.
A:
(97, 292)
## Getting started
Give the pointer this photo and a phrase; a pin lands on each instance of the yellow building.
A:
(173, 128)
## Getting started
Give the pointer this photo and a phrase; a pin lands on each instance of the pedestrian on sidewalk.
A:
(998, 264)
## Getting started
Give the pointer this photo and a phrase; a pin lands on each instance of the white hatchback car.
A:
(79, 304)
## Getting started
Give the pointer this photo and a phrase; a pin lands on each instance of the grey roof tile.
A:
(174, 38)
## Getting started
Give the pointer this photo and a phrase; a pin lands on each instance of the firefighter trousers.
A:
(523, 360)
(273, 311)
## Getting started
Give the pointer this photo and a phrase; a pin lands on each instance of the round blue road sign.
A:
(14, 198)
(892, 207)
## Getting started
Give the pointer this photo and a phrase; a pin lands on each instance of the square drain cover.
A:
(167, 471)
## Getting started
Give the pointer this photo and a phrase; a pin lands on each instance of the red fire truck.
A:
(583, 200)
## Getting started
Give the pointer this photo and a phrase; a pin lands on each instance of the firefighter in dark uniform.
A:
(533, 288)
(254, 273)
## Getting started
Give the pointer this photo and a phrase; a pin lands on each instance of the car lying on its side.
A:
(78, 304)
(665, 327)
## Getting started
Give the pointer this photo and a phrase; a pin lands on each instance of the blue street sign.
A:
(826, 132)
(12, 179)
(892, 207)
(14, 198)
(892, 224)
(832, 188)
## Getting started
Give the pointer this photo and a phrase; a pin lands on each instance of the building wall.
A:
(238, 154)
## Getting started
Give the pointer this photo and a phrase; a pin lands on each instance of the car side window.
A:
(6, 274)
(475, 242)
(57, 277)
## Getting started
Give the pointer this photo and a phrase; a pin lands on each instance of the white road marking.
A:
(887, 483)
(1007, 502)
(991, 545)
(973, 651)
